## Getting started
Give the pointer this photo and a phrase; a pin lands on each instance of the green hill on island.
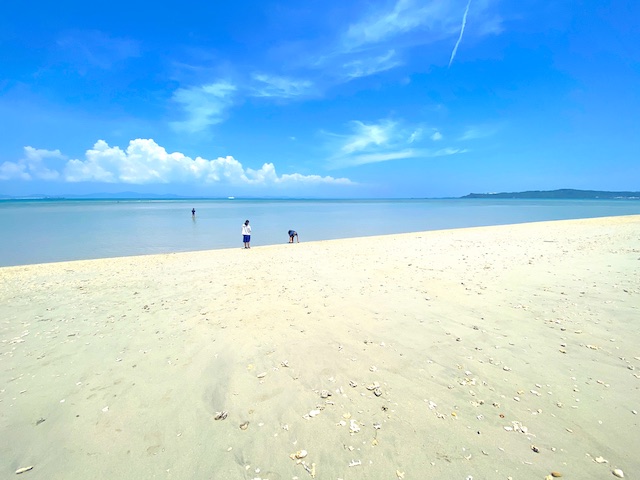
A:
(565, 193)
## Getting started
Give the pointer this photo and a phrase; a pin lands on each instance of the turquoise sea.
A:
(42, 231)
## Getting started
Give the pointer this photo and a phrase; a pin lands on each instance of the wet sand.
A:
(497, 352)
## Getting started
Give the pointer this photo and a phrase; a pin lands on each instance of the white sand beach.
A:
(492, 353)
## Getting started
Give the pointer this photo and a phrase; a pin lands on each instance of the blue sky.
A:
(400, 98)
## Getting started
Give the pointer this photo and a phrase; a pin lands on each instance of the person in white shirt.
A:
(246, 234)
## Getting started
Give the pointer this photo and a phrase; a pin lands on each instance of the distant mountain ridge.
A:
(565, 193)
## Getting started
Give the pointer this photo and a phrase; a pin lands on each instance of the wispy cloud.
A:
(479, 131)
(404, 17)
(464, 23)
(203, 105)
(365, 66)
(146, 162)
(416, 135)
(380, 40)
(382, 157)
(380, 142)
(366, 135)
(281, 87)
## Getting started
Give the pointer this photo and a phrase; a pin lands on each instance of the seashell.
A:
(24, 469)
(285, 363)
(298, 455)
(373, 368)
(377, 392)
(221, 415)
(373, 386)
(352, 383)
(244, 425)
(600, 460)
(618, 473)
(355, 463)
(556, 474)
(262, 375)
(354, 427)
(535, 449)
(325, 393)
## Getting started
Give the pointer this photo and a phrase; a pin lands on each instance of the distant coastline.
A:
(562, 194)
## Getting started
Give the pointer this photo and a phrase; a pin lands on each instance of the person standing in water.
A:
(193, 212)
(246, 234)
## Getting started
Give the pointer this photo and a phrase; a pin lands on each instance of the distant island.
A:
(565, 193)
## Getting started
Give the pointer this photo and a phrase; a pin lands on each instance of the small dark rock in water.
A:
(39, 421)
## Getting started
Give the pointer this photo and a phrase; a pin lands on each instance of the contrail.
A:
(464, 22)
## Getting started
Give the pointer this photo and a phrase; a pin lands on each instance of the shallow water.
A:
(40, 231)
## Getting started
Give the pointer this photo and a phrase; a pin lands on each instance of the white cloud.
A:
(365, 66)
(367, 135)
(383, 157)
(436, 136)
(276, 86)
(398, 26)
(146, 162)
(13, 170)
(443, 152)
(415, 136)
(381, 142)
(204, 105)
(435, 16)
(479, 131)
(296, 178)
(32, 166)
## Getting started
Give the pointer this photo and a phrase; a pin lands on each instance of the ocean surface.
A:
(43, 231)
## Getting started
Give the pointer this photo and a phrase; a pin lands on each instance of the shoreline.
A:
(467, 348)
(345, 239)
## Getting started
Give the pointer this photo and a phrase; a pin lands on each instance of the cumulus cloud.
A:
(32, 165)
(203, 105)
(436, 136)
(146, 162)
